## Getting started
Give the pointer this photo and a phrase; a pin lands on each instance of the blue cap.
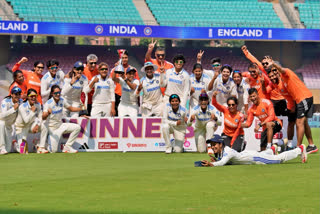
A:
(78, 65)
(215, 139)
(16, 90)
(129, 69)
(203, 96)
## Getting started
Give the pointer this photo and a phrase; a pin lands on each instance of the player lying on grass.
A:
(225, 155)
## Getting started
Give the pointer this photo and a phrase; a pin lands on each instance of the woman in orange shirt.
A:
(18, 80)
(232, 134)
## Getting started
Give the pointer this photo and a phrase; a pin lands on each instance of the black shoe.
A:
(312, 149)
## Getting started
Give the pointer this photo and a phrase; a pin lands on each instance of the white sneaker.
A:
(69, 149)
(304, 155)
(3, 152)
(168, 150)
(42, 151)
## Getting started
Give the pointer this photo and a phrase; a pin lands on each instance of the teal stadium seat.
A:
(215, 13)
(78, 11)
(309, 13)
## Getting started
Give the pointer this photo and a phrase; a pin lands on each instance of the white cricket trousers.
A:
(101, 110)
(56, 133)
(67, 113)
(202, 133)
(155, 110)
(5, 136)
(179, 133)
(267, 156)
(128, 109)
(22, 134)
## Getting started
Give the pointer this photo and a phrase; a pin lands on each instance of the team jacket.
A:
(47, 81)
(103, 90)
(72, 93)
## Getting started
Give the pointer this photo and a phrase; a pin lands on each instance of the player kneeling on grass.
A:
(225, 155)
(205, 126)
(174, 122)
(29, 121)
(8, 115)
(263, 109)
(53, 113)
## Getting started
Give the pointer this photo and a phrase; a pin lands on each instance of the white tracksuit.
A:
(226, 90)
(56, 127)
(152, 101)
(72, 94)
(27, 120)
(204, 126)
(103, 97)
(198, 86)
(230, 156)
(47, 81)
(8, 117)
(128, 105)
(169, 126)
(243, 95)
(176, 83)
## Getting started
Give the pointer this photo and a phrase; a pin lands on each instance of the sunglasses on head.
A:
(231, 104)
(160, 55)
(216, 65)
(265, 63)
(179, 61)
(39, 67)
(236, 71)
(54, 68)
(91, 63)
(104, 69)
(174, 96)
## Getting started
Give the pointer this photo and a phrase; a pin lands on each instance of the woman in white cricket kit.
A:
(198, 82)
(152, 104)
(74, 83)
(224, 84)
(103, 99)
(55, 76)
(242, 90)
(205, 116)
(29, 121)
(128, 105)
(8, 115)
(225, 155)
(174, 122)
(53, 113)
(176, 80)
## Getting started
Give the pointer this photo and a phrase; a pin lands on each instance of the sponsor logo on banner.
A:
(98, 29)
(160, 144)
(147, 31)
(108, 145)
(187, 145)
(135, 145)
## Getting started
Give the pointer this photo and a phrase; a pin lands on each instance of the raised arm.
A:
(216, 104)
(210, 86)
(252, 58)
(150, 49)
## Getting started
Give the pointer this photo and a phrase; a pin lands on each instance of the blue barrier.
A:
(77, 29)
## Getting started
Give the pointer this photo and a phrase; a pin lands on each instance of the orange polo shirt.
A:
(22, 86)
(296, 88)
(274, 94)
(283, 91)
(264, 111)
(232, 122)
(256, 83)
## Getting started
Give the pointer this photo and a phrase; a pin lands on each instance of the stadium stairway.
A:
(145, 13)
(6, 11)
(280, 12)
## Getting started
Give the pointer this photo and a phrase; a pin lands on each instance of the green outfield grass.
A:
(147, 183)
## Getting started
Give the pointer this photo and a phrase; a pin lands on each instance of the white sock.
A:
(289, 144)
(268, 145)
(311, 145)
